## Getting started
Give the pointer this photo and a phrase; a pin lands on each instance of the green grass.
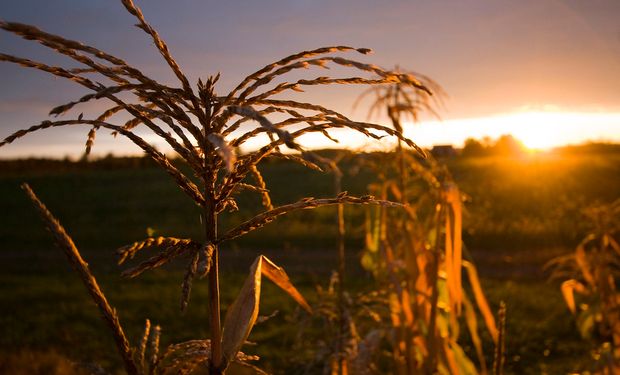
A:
(522, 212)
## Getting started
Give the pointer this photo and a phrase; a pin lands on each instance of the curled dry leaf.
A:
(224, 150)
(569, 287)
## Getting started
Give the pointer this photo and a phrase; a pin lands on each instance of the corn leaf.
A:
(280, 278)
(569, 287)
(242, 314)
(481, 300)
(454, 247)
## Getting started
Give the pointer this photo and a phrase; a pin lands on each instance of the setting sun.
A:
(544, 130)
(536, 129)
(437, 175)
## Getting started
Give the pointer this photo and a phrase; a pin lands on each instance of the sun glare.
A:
(539, 130)
(544, 130)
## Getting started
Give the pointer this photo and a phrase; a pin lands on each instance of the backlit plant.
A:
(205, 129)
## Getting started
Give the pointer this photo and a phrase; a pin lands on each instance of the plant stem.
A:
(210, 222)
(431, 363)
(341, 269)
(214, 309)
(402, 178)
(498, 360)
(394, 116)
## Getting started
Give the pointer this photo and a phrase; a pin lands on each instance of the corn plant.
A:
(592, 273)
(417, 254)
(205, 129)
(419, 261)
(404, 102)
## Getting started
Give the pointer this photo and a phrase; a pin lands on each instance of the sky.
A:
(546, 71)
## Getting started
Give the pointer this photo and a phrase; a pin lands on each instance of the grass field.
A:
(521, 212)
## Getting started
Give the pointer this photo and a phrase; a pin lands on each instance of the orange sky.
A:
(547, 71)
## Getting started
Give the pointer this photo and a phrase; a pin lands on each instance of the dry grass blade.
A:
(242, 314)
(159, 43)
(297, 159)
(296, 86)
(279, 103)
(129, 251)
(301, 55)
(194, 102)
(162, 258)
(385, 76)
(81, 267)
(276, 128)
(57, 71)
(31, 32)
(67, 46)
(303, 204)
(265, 123)
(101, 93)
(364, 127)
(149, 90)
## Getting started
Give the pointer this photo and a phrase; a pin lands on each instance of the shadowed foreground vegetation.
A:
(521, 212)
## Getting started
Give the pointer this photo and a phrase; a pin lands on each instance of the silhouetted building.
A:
(443, 151)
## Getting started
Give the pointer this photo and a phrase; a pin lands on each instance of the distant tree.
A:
(507, 145)
(474, 147)
(504, 145)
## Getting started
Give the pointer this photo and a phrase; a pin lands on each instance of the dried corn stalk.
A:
(205, 129)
